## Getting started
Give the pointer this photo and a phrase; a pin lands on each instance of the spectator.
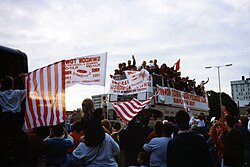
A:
(187, 148)
(247, 139)
(155, 68)
(158, 127)
(76, 134)
(100, 155)
(57, 144)
(143, 65)
(157, 147)
(217, 131)
(233, 144)
(151, 64)
(131, 66)
(106, 126)
(132, 139)
(143, 159)
(91, 123)
(10, 102)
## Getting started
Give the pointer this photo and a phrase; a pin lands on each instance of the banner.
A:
(178, 98)
(87, 70)
(136, 82)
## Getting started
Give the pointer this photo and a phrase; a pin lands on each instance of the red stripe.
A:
(45, 109)
(63, 90)
(56, 93)
(125, 111)
(137, 102)
(130, 109)
(30, 102)
(118, 112)
(27, 121)
(37, 101)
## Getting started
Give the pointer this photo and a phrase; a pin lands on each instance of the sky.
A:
(200, 33)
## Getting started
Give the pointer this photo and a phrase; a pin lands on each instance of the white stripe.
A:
(53, 93)
(60, 103)
(40, 96)
(122, 112)
(137, 105)
(136, 110)
(46, 94)
(128, 112)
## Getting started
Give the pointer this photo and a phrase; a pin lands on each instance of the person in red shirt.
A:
(76, 134)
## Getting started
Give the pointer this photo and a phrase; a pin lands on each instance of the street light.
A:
(218, 67)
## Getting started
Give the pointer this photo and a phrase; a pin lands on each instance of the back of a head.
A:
(117, 125)
(87, 108)
(7, 83)
(106, 124)
(77, 126)
(57, 130)
(231, 121)
(182, 119)
(168, 128)
(158, 126)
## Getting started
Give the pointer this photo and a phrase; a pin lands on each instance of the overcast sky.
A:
(200, 33)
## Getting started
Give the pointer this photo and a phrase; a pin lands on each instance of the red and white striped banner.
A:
(45, 100)
(128, 110)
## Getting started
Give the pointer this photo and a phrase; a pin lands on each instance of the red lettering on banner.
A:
(89, 59)
(95, 69)
(72, 61)
(176, 93)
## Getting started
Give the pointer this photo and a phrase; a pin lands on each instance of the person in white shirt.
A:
(10, 104)
(10, 99)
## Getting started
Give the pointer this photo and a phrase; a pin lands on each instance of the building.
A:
(241, 91)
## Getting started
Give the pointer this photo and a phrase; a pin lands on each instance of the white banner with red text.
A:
(178, 98)
(87, 70)
(135, 82)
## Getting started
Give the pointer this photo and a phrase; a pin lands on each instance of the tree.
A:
(227, 101)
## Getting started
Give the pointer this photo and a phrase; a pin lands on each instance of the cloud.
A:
(201, 33)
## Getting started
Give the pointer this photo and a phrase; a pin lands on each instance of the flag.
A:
(45, 100)
(128, 110)
(177, 65)
(224, 112)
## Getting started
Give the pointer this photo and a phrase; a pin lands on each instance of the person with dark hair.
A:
(76, 134)
(131, 66)
(157, 132)
(187, 148)
(57, 145)
(247, 139)
(157, 147)
(10, 102)
(132, 139)
(233, 155)
(143, 159)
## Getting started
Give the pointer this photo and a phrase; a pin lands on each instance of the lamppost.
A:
(218, 68)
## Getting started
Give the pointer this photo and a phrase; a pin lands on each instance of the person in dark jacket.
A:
(233, 144)
(187, 148)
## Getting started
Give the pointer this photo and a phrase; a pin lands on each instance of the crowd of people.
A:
(170, 76)
(93, 141)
